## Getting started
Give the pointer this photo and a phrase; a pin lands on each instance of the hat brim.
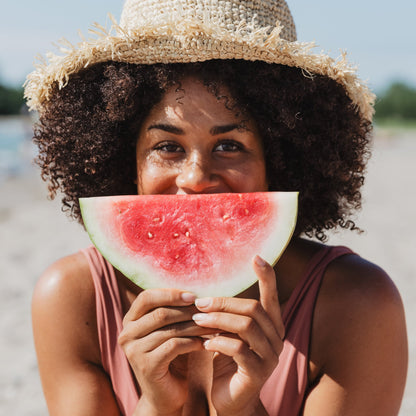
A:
(191, 41)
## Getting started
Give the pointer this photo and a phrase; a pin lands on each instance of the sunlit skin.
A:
(212, 356)
(190, 143)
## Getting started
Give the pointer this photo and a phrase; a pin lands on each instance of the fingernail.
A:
(188, 297)
(200, 317)
(203, 302)
(206, 343)
(260, 262)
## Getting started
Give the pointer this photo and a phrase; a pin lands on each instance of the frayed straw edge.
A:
(198, 38)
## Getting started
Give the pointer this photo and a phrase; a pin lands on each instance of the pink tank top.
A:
(283, 393)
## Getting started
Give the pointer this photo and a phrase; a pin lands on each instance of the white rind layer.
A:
(141, 272)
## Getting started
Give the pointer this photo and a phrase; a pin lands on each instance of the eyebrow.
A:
(169, 128)
(214, 131)
(226, 128)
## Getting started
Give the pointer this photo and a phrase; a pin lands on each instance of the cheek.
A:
(152, 178)
(262, 177)
(251, 177)
(258, 180)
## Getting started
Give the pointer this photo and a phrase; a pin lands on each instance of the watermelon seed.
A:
(225, 217)
(246, 211)
(175, 235)
(177, 256)
(150, 235)
(187, 233)
(156, 219)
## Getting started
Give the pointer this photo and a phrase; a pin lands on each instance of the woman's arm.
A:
(361, 345)
(65, 333)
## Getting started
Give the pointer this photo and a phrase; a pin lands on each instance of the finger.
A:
(244, 326)
(162, 323)
(268, 293)
(152, 321)
(153, 298)
(157, 362)
(249, 365)
(243, 307)
(173, 347)
(235, 348)
(182, 330)
(158, 318)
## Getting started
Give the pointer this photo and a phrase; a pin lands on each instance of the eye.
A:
(168, 147)
(228, 146)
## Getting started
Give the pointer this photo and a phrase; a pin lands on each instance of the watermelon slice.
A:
(203, 242)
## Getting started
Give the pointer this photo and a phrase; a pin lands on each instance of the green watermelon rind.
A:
(144, 275)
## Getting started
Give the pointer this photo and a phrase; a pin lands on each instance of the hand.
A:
(157, 331)
(247, 349)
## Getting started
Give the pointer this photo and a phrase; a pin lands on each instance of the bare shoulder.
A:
(357, 299)
(356, 289)
(64, 299)
(66, 341)
(353, 280)
(359, 340)
(70, 272)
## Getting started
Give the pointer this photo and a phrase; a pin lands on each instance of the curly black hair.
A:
(314, 138)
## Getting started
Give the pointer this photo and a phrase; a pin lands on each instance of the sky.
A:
(379, 36)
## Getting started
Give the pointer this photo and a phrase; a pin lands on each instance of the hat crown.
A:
(224, 14)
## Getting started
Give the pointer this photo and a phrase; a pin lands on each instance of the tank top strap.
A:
(109, 323)
(310, 282)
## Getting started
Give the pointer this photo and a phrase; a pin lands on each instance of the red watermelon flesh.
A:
(203, 242)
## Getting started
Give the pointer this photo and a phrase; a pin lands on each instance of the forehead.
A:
(191, 99)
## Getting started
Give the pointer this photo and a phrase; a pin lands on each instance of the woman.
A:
(321, 333)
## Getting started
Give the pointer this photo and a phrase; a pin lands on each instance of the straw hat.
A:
(168, 31)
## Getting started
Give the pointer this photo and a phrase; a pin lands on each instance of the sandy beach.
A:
(34, 233)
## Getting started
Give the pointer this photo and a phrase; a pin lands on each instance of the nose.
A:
(196, 176)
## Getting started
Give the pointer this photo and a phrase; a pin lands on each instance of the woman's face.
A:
(190, 143)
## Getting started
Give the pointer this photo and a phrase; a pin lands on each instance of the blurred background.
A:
(380, 40)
